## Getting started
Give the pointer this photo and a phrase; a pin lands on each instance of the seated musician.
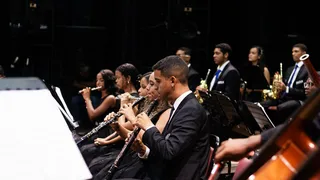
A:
(106, 80)
(236, 149)
(292, 86)
(256, 74)
(193, 76)
(92, 149)
(226, 79)
(182, 149)
(100, 165)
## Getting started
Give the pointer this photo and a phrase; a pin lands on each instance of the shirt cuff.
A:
(145, 155)
(287, 89)
(150, 127)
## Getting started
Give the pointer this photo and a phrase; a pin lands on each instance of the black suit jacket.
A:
(193, 79)
(297, 90)
(183, 145)
(228, 82)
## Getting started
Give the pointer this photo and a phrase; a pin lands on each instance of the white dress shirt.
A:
(218, 68)
(295, 75)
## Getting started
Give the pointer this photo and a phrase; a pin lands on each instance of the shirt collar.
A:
(189, 65)
(299, 64)
(180, 99)
(223, 65)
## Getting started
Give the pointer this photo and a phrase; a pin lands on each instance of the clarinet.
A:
(128, 144)
(105, 123)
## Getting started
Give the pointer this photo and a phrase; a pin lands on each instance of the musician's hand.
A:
(109, 116)
(138, 146)
(199, 88)
(232, 149)
(86, 93)
(115, 126)
(143, 121)
(128, 136)
(281, 86)
(125, 98)
(127, 111)
(236, 149)
(100, 142)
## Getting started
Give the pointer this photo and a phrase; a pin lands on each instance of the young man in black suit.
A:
(183, 146)
(227, 78)
(193, 76)
(292, 89)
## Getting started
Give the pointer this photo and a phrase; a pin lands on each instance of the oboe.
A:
(91, 89)
(105, 123)
(128, 144)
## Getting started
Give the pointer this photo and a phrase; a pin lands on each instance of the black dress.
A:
(131, 166)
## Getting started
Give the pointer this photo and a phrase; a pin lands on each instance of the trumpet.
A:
(105, 123)
(92, 89)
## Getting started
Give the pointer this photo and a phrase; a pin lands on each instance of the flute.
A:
(105, 123)
(128, 144)
(92, 89)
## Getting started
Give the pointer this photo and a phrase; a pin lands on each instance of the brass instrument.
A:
(273, 92)
(203, 85)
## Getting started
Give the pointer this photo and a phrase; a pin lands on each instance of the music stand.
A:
(224, 115)
(57, 95)
(256, 117)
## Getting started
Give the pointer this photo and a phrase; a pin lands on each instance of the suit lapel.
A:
(221, 77)
(183, 102)
(301, 72)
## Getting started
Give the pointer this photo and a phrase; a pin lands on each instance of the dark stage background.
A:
(56, 35)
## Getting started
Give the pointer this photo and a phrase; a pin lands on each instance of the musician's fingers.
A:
(218, 156)
(220, 148)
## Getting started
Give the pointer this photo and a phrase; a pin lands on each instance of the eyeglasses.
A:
(308, 84)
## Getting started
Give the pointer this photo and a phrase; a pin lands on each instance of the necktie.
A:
(291, 78)
(216, 75)
(171, 112)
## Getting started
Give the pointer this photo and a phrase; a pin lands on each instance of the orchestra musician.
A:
(106, 80)
(183, 146)
(292, 86)
(256, 74)
(193, 76)
(227, 78)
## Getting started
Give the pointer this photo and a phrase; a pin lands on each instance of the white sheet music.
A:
(35, 140)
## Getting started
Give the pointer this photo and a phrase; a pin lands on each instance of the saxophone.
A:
(274, 93)
(203, 85)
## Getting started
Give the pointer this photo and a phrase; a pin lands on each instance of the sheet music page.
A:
(36, 142)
